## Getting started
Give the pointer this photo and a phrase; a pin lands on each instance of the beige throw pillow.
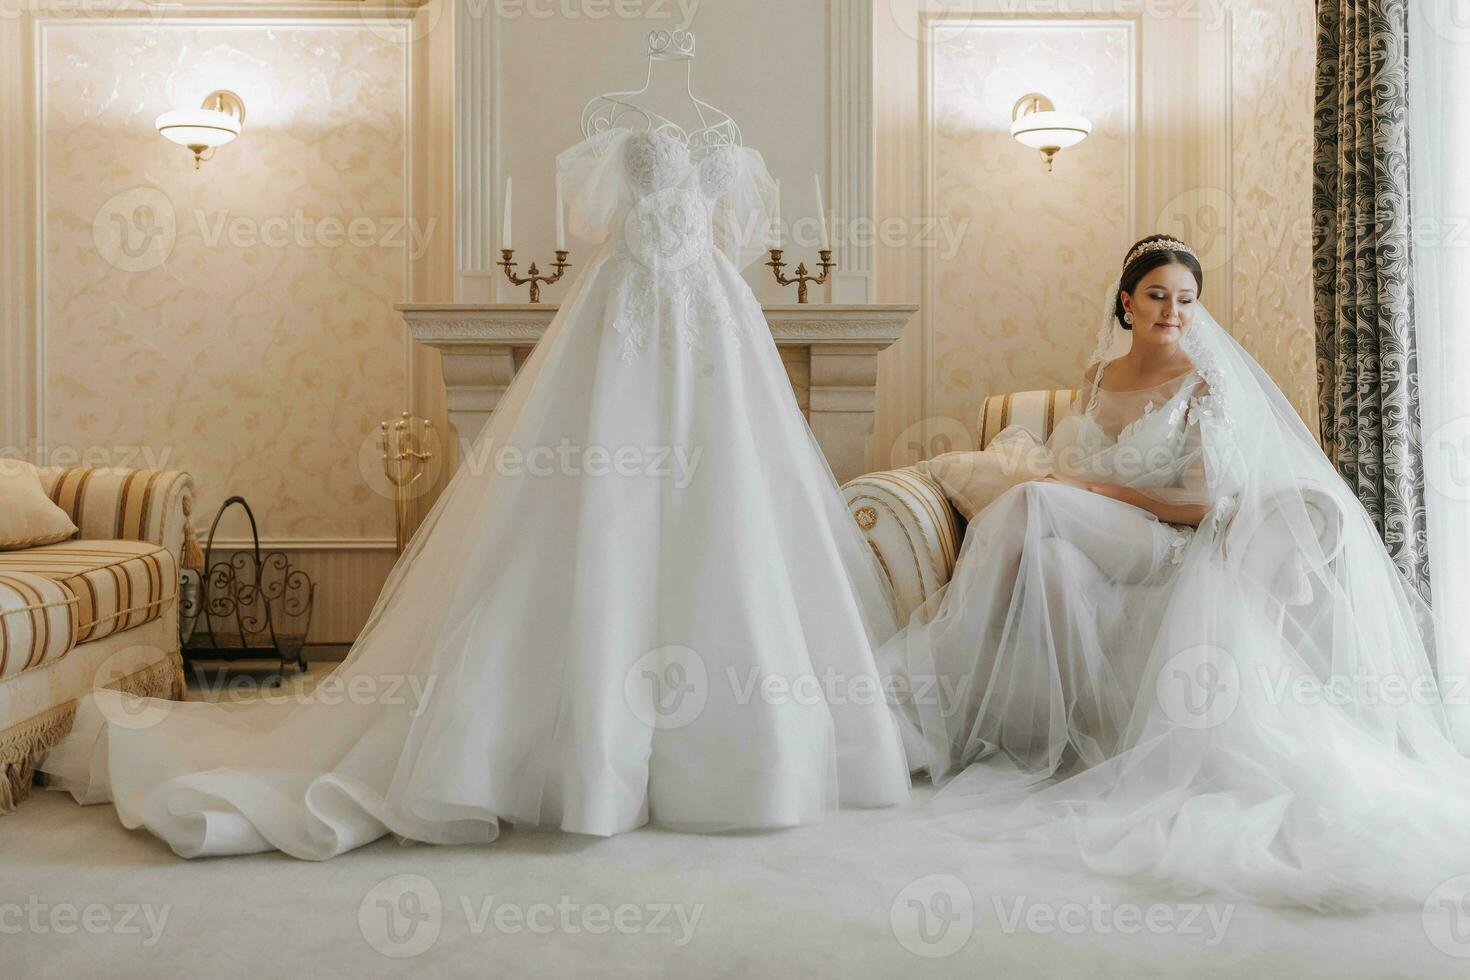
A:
(972, 480)
(27, 516)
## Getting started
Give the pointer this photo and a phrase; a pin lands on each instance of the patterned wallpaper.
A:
(1018, 303)
(1271, 116)
(237, 320)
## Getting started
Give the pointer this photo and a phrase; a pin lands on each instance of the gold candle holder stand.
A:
(405, 461)
(802, 277)
(533, 275)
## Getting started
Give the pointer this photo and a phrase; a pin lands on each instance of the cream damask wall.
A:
(1271, 193)
(1017, 298)
(236, 320)
(1202, 118)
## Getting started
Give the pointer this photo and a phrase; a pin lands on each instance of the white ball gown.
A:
(644, 537)
(1252, 709)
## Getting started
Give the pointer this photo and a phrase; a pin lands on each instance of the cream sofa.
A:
(100, 609)
(916, 532)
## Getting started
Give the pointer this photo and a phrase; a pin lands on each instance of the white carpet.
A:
(814, 902)
(83, 897)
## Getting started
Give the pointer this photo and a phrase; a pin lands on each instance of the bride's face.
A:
(1162, 305)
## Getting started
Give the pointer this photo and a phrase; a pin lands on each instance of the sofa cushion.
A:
(1036, 411)
(107, 504)
(118, 584)
(38, 621)
(27, 516)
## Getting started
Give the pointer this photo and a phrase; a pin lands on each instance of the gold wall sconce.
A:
(1035, 122)
(216, 122)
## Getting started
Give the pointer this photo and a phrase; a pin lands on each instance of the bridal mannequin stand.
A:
(830, 351)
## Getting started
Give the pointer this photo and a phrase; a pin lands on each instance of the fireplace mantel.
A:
(830, 351)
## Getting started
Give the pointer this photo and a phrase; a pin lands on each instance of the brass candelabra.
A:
(533, 275)
(802, 277)
(405, 459)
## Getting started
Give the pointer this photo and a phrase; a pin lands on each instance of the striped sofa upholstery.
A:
(913, 528)
(126, 505)
(99, 609)
(117, 584)
(1037, 411)
(38, 621)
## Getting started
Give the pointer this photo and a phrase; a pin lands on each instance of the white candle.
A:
(821, 211)
(505, 241)
(777, 215)
(561, 221)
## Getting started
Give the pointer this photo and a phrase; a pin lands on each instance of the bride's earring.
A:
(1128, 318)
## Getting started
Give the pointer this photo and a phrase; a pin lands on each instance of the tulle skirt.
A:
(640, 598)
(1116, 692)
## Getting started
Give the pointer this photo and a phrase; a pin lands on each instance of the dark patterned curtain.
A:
(1367, 360)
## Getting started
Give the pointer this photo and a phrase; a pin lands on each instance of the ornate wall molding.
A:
(852, 150)
(19, 365)
(476, 151)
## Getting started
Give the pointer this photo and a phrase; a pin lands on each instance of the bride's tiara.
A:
(1159, 245)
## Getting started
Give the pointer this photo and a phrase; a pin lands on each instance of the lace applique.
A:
(717, 172)
(1206, 364)
(688, 303)
(1223, 510)
(1215, 523)
(1205, 407)
(1174, 553)
(1128, 429)
(654, 162)
(1194, 410)
(668, 230)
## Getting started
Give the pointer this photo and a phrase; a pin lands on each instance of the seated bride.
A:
(1155, 609)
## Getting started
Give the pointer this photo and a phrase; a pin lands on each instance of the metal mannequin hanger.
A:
(603, 112)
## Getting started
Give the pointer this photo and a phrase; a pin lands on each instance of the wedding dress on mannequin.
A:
(644, 534)
(1250, 707)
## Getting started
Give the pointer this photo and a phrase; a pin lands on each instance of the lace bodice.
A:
(671, 218)
(1149, 438)
(1153, 439)
(665, 203)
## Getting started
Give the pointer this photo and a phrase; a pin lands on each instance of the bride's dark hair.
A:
(1133, 272)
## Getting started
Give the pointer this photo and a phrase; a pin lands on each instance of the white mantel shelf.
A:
(830, 351)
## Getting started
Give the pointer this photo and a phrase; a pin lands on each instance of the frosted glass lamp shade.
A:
(205, 128)
(202, 130)
(1040, 130)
